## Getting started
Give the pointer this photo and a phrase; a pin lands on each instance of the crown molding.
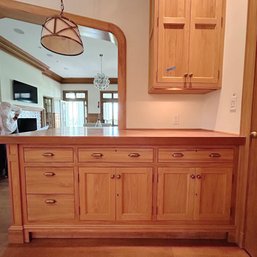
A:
(17, 52)
(85, 80)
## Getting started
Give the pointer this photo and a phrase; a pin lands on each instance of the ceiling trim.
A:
(17, 52)
(85, 80)
(36, 14)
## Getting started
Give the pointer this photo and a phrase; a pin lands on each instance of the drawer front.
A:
(177, 155)
(48, 180)
(115, 155)
(50, 207)
(48, 154)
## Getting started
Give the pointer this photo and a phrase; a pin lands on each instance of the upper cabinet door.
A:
(205, 41)
(186, 45)
(173, 39)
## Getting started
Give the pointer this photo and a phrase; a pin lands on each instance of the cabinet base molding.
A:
(125, 231)
(16, 235)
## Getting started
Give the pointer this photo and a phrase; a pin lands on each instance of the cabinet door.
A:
(97, 193)
(134, 193)
(175, 193)
(205, 41)
(173, 40)
(213, 193)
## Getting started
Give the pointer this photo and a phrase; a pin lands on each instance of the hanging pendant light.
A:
(101, 81)
(61, 35)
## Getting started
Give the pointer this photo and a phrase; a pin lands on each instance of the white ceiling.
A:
(84, 65)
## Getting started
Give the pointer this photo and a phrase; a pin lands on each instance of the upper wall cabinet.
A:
(186, 45)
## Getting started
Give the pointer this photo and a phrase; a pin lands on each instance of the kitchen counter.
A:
(106, 182)
(115, 136)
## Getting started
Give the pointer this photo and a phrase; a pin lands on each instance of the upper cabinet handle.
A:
(177, 155)
(185, 75)
(48, 154)
(215, 155)
(190, 75)
(134, 155)
(97, 155)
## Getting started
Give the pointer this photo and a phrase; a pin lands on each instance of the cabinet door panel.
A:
(173, 39)
(213, 193)
(205, 36)
(134, 193)
(175, 193)
(97, 193)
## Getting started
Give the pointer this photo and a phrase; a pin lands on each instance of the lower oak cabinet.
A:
(194, 193)
(125, 191)
(115, 193)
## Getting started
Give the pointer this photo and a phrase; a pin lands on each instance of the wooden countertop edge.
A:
(121, 140)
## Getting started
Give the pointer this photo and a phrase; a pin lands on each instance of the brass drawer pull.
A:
(215, 155)
(177, 155)
(50, 201)
(97, 155)
(134, 155)
(49, 174)
(48, 154)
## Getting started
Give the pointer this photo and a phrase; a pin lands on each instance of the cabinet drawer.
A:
(48, 154)
(48, 180)
(115, 155)
(50, 207)
(176, 155)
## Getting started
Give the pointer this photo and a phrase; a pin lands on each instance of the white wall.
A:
(93, 94)
(210, 111)
(12, 68)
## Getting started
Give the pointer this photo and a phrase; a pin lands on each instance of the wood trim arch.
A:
(35, 14)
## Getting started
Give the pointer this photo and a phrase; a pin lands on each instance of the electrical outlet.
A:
(233, 103)
(176, 119)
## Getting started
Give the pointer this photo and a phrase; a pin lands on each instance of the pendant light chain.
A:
(62, 7)
(101, 56)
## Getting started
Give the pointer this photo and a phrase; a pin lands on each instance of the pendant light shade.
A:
(61, 35)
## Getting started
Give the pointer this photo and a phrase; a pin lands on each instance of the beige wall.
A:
(209, 111)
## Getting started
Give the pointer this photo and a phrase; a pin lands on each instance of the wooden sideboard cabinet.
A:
(137, 186)
(201, 189)
(186, 45)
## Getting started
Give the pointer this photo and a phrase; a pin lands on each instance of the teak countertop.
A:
(114, 136)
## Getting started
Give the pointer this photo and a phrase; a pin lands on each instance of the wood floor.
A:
(108, 247)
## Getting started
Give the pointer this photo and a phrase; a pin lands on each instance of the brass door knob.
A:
(253, 134)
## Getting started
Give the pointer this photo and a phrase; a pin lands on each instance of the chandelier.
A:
(101, 81)
(61, 35)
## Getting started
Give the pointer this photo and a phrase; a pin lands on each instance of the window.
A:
(74, 108)
(109, 107)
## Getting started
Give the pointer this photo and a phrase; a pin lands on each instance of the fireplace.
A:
(27, 124)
